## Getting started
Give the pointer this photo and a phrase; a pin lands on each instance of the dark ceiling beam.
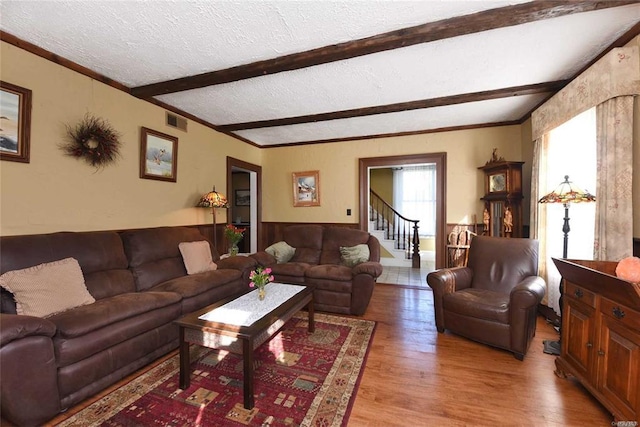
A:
(429, 32)
(401, 106)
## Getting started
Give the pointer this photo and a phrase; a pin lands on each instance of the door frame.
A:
(440, 160)
(256, 193)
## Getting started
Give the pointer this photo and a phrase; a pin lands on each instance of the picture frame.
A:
(158, 155)
(243, 198)
(306, 188)
(15, 122)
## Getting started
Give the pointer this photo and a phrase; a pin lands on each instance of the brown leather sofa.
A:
(494, 299)
(140, 285)
(317, 261)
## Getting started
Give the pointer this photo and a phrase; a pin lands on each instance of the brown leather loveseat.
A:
(319, 259)
(140, 286)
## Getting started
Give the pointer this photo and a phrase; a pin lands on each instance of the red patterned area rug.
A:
(301, 379)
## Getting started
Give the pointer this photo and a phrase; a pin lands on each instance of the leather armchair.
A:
(494, 299)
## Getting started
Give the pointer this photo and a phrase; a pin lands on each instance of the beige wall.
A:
(54, 192)
(381, 181)
(338, 166)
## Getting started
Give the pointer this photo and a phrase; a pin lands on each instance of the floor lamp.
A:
(566, 193)
(213, 200)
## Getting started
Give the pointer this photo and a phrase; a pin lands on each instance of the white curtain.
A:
(614, 204)
(414, 195)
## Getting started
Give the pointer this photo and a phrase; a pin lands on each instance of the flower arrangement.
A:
(233, 234)
(260, 277)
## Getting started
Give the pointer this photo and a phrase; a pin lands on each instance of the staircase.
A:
(397, 234)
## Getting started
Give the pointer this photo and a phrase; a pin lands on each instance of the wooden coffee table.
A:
(242, 324)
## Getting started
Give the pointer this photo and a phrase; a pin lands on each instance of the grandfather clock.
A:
(502, 216)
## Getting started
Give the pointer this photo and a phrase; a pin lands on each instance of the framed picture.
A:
(243, 198)
(306, 188)
(158, 155)
(15, 122)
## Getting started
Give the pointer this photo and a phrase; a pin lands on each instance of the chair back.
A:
(500, 263)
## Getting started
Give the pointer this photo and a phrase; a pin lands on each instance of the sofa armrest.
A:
(371, 268)
(264, 259)
(14, 327)
(240, 263)
(28, 370)
(528, 293)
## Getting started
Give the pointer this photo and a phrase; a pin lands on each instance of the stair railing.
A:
(402, 230)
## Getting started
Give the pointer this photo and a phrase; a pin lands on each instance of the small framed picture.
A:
(306, 188)
(243, 198)
(15, 122)
(158, 155)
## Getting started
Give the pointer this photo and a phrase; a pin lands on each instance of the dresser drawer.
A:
(571, 290)
(621, 313)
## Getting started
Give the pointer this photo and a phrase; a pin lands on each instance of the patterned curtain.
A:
(614, 204)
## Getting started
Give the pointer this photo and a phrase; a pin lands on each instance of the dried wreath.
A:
(95, 140)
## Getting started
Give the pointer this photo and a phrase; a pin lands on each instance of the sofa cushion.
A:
(295, 269)
(153, 253)
(336, 237)
(281, 251)
(354, 255)
(478, 303)
(197, 256)
(339, 273)
(307, 239)
(190, 286)
(87, 330)
(47, 288)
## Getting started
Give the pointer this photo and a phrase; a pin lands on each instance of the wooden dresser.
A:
(601, 334)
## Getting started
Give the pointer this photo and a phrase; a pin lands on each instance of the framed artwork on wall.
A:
(158, 155)
(306, 188)
(243, 198)
(15, 122)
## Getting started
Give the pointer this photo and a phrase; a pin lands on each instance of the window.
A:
(414, 195)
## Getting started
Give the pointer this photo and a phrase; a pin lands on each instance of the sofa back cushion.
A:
(100, 255)
(154, 255)
(335, 237)
(307, 240)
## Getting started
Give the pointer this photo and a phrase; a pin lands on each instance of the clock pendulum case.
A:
(502, 216)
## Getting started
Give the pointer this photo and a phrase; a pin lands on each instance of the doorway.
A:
(244, 187)
(439, 159)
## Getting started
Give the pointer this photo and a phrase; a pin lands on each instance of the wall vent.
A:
(177, 122)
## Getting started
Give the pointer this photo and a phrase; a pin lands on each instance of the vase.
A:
(233, 250)
(262, 292)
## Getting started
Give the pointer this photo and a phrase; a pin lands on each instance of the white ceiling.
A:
(137, 43)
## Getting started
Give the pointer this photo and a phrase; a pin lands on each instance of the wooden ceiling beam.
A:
(402, 106)
(429, 32)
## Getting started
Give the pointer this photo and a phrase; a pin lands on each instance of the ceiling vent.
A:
(176, 121)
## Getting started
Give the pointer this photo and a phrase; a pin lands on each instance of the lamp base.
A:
(551, 347)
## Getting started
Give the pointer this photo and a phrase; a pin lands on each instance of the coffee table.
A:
(241, 325)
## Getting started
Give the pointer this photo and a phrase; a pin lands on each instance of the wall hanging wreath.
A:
(94, 140)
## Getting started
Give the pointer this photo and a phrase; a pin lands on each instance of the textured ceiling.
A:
(138, 43)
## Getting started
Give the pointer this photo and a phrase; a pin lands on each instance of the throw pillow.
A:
(197, 257)
(281, 251)
(354, 255)
(47, 289)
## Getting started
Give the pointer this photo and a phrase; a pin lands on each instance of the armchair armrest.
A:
(14, 327)
(241, 263)
(372, 268)
(447, 280)
(528, 293)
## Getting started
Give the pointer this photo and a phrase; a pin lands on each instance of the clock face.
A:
(498, 182)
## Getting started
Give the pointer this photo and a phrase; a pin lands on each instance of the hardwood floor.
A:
(417, 377)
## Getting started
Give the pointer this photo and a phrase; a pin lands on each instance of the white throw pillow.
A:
(47, 289)
(197, 257)
(281, 251)
(354, 255)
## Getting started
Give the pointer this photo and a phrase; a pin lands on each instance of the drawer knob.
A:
(618, 313)
(579, 293)
(589, 345)
(600, 352)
